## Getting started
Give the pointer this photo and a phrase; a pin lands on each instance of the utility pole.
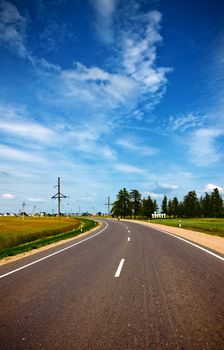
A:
(23, 208)
(34, 210)
(59, 196)
(108, 205)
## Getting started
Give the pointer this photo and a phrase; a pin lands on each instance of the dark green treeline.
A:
(131, 204)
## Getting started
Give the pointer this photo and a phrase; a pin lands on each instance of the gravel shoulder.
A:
(212, 242)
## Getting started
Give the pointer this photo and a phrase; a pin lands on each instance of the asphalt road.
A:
(128, 287)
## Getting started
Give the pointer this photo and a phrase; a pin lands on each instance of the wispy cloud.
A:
(127, 168)
(94, 83)
(185, 122)
(11, 153)
(83, 137)
(139, 53)
(137, 147)
(35, 199)
(13, 29)
(166, 186)
(214, 75)
(138, 36)
(162, 188)
(27, 130)
(105, 10)
(95, 90)
(7, 196)
(203, 148)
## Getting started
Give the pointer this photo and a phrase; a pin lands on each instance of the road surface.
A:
(125, 286)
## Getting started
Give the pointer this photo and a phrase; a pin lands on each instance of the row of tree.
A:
(132, 204)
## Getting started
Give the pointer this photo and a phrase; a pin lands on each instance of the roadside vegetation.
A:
(131, 204)
(207, 225)
(18, 235)
(204, 214)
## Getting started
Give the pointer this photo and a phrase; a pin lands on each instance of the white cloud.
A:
(154, 195)
(137, 39)
(7, 152)
(27, 129)
(167, 186)
(203, 146)
(84, 136)
(91, 91)
(131, 145)
(139, 53)
(95, 84)
(43, 63)
(184, 122)
(107, 152)
(10, 112)
(12, 29)
(127, 168)
(87, 140)
(105, 10)
(7, 196)
(35, 199)
(211, 187)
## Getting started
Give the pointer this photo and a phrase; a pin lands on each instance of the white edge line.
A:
(128, 239)
(55, 253)
(118, 272)
(195, 245)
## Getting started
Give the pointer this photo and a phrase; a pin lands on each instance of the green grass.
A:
(84, 225)
(206, 225)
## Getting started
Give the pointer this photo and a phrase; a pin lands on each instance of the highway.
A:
(124, 286)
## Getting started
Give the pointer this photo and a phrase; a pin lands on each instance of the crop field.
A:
(206, 225)
(16, 230)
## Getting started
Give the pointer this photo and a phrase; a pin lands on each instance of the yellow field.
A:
(16, 230)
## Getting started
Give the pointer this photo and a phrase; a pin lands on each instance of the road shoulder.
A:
(214, 243)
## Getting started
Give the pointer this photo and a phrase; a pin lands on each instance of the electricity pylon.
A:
(59, 196)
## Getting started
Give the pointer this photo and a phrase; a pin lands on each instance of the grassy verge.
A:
(86, 225)
(210, 226)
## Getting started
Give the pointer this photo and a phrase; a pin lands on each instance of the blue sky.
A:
(109, 94)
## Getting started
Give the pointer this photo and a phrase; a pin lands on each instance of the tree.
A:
(206, 206)
(191, 205)
(136, 202)
(149, 206)
(164, 204)
(122, 205)
(175, 207)
(170, 208)
(155, 206)
(181, 210)
(216, 204)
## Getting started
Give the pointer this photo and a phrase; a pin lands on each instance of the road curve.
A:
(128, 287)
